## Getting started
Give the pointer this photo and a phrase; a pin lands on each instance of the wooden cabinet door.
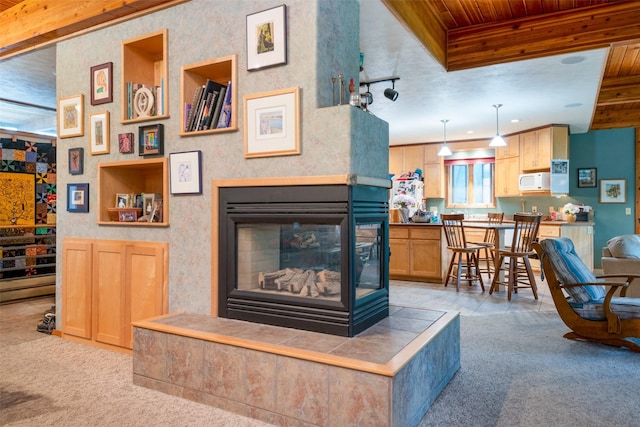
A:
(413, 158)
(507, 173)
(146, 283)
(512, 149)
(425, 258)
(396, 160)
(76, 287)
(543, 148)
(109, 313)
(433, 181)
(399, 256)
(528, 150)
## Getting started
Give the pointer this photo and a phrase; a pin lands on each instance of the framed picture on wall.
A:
(78, 197)
(272, 123)
(76, 161)
(186, 172)
(267, 38)
(102, 83)
(71, 116)
(613, 191)
(125, 143)
(150, 140)
(99, 133)
(587, 177)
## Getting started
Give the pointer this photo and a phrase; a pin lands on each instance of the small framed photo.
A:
(125, 143)
(267, 38)
(71, 116)
(272, 123)
(78, 197)
(102, 83)
(150, 140)
(76, 161)
(587, 177)
(122, 201)
(128, 215)
(99, 133)
(186, 172)
(613, 191)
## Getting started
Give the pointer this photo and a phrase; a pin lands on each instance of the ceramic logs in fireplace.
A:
(310, 257)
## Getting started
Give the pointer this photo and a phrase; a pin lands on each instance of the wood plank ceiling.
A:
(472, 33)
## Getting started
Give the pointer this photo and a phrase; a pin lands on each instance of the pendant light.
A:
(497, 140)
(445, 151)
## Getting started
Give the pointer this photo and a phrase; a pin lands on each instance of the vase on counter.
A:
(404, 215)
(570, 217)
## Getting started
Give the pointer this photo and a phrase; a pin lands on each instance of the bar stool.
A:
(518, 273)
(464, 255)
(486, 256)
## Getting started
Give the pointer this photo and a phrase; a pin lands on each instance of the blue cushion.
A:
(625, 308)
(570, 269)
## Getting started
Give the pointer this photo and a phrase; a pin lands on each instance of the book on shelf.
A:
(194, 106)
(225, 115)
(202, 108)
(213, 124)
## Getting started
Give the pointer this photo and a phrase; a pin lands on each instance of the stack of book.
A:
(210, 108)
(158, 99)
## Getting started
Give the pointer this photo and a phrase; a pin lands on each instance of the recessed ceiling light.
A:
(515, 120)
(572, 60)
(469, 131)
(573, 105)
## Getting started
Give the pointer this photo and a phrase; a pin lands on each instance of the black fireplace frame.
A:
(332, 204)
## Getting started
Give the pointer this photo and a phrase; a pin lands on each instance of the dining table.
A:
(500, 237)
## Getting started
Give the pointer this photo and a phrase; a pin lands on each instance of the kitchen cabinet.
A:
(433, 173)
(512, 149)
(416, 253)
(581, 233)
(538, 147)
(506, 177)
(107, 284)
(406, 159)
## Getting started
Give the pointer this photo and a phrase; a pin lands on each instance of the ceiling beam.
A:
(33, 23)
(619, 90)
(613, 117)
(543, 35)
(421, 20)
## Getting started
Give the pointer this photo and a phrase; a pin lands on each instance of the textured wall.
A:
(322, 41)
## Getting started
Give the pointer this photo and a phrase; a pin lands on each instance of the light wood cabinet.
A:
(580, 234)
(507, 175)
(416, 253)
(538, 147)
(145, 61)
(512, 149)
(433, 173)
(406, 159)
(107, 284)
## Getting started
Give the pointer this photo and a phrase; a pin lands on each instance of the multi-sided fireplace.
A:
(310, 257)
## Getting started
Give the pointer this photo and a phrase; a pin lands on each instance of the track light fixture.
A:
(445, 151)
(497, 140)
(389, 93)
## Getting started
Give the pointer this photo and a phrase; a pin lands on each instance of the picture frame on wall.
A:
(99, 133)
(587, 177)
(71, 116)
(267, 38)
(613, 191)
(76, 161)
(272, 123)
(126, 143)
(186, 172)
(102, 83)
(78, 197)
(151, 140)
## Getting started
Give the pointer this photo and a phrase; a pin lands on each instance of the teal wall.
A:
(612, 153)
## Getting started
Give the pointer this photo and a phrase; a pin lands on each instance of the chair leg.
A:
(532, 279)
(459, 272)
(512, 277)
(494, 282)
(451, 263)
(477, 264)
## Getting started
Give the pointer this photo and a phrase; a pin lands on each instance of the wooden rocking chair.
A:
(590, 311)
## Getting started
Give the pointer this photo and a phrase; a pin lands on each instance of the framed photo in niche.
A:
(587, 177)
(78, 197)
(150, 140)
(125, 143)
(71, 116)
(267, 38)
(76, 161)
(102, 83)
(272, 123)
(613, 191)
(99, 133)
(186, 172)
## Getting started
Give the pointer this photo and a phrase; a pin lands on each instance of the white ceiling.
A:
(537, 92)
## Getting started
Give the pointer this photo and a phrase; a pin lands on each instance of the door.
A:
(76, 288)
(109, 314)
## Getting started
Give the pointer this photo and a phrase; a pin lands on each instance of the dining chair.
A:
(518, 272)
(464, 255)
(486, 259)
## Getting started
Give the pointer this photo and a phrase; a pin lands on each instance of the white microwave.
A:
(534, 181)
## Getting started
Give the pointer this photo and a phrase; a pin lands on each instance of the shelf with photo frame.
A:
(219, 72)
(143, 177)
(145, 71)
